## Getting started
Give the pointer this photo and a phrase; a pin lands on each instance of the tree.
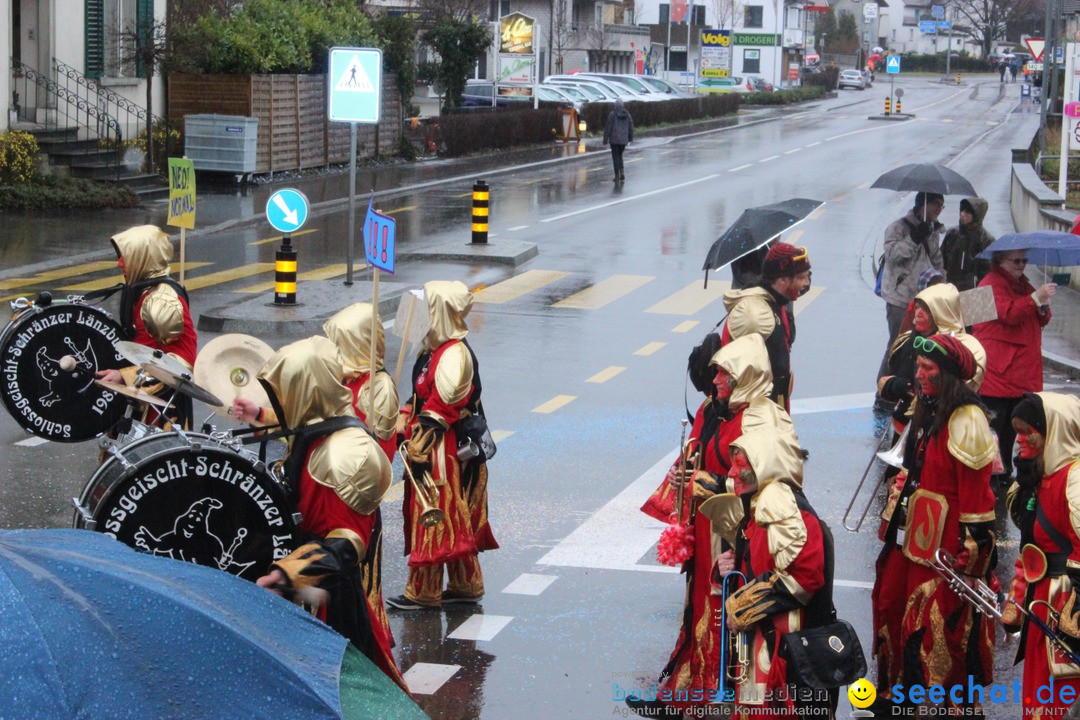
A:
(598, 42)
(824, 28)
(458, 43)
(847, 34)
(985, 21)
(397, 38)
(562, 32)
(144, 45)
(727, 12)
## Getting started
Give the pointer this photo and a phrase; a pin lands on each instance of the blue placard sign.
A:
(355, 85)
(927, 26)
(938, 11)
(287, 210)
(892, 65)
(944, 24)
(379, 232)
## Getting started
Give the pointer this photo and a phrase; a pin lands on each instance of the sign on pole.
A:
(287, 210)
(1036, 46)
(892, 64)
(927, 26)
(181, 193)
(937, 11)
(355, 85)
(379, 233)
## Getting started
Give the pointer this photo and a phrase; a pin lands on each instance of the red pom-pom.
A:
(676, 545)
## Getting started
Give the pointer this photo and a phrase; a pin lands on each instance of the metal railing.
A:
(133, 118)
(65, 109)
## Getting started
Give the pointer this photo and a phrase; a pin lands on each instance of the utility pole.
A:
(948, 51)
(1048, 35)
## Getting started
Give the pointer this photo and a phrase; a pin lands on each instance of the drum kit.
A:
(201, 497)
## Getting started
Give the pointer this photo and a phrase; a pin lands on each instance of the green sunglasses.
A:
(925, 344)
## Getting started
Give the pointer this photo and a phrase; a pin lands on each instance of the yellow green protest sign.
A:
(181, 193)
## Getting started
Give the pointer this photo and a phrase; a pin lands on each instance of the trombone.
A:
(739, 645)
(427, 492)
(985, 601)
(894, 457)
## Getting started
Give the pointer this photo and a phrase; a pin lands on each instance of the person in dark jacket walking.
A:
(618, 132)
(964, 242)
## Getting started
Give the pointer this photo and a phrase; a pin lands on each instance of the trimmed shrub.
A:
(47, 192)
(666, 113)
(17, 153)
(936, 63)
(482, 129)
(785, 97)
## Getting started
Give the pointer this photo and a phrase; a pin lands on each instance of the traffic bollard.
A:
(285, 273)
(957, 78)
(480, 196)
(887, 106)
(897, 106)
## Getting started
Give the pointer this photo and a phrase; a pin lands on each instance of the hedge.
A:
(936, 63)
(785, 97)
(48, 192)
(462, 133)
(666, 113)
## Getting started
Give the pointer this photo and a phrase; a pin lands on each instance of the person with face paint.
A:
(153, 307)
(765, 310)
(923, 631)
(447, 389)
(339, 476)
(741, 404)
(785, 552)
(1044, 502)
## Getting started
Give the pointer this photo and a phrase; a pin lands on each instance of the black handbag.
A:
(824, 657)
(474, 439)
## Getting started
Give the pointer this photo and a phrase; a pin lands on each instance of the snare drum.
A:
(42, 397)
(190, 497)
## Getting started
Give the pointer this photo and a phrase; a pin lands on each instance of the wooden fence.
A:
(294, 132)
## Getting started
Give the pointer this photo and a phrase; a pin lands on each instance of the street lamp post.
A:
(948, 49)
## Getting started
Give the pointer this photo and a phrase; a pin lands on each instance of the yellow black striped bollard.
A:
(285, 273)
(480, 197)
(897, 106)
(887, 101)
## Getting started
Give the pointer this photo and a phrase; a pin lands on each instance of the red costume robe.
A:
(183, 346)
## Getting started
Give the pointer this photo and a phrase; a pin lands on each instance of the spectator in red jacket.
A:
(1013, 343)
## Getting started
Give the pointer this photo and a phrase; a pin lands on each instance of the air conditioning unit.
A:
(792, 40)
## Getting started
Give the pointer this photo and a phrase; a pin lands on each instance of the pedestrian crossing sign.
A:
(892, 65)
(354, 85)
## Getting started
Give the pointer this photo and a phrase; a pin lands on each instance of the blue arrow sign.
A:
(355, 85)
(927, 26)
(944, 24)
(379, 232)
(287, 210)
(892, 65)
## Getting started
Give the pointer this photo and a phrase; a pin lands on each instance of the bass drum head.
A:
(191, 499)
(59, 405)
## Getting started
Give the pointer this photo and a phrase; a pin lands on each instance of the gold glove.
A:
(705, 485)
(421, 444)
(1070, 617)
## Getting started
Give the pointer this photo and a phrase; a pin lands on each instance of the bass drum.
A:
(46, 400)
(189, 497)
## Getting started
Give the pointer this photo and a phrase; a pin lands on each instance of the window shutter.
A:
(144, 22)
(94, 42)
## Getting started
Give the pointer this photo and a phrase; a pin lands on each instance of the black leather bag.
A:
(474, 439)
(824, 657)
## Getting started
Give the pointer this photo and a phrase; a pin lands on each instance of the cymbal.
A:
(228, 365)
(141, 355)
(133, 393)
(182, 383)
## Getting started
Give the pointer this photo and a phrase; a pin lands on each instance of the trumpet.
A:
(894, 457)
(738, 671)
(426, 491)
(985, 601)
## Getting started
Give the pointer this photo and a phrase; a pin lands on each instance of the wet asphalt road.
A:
(583, 353)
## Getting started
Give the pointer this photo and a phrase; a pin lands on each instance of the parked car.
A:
(644, 92)
(852, 78)
(552, 93)
(617, 89)
(664, 86)
(594, 93)
(478, 94)
(756, 84)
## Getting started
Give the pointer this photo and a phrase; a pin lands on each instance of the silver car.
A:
(852, 78)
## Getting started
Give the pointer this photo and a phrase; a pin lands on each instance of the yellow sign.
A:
(181, 193)
(714, 72)
(516, 34)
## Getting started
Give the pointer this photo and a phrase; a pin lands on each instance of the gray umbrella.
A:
(925, 177)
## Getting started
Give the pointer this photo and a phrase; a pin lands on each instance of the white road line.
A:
(480, 627)
(814, 144)
(794, 150)
(631, 198)
(741, 167)
(765, 160)
(425, 678)
(515, 229)
(832, 404)
(530, 584)
(854, 584)
(32, 442)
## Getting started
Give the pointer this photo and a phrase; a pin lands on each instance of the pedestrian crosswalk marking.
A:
(691, 299)
(519, 285)
(685, 326)
(607, 290)
(500, 435)
(793, 236)
(60, 274)
(426, 678)
(650, 348)
(530, 584)
(606, 374)
(32, 442)
(323, 273)
(480, 627)
(275, 238)
(101, 283)
(214, 278)
(811, 295)
(554, 404)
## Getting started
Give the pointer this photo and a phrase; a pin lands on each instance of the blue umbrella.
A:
(92, 628)
(1044, 247)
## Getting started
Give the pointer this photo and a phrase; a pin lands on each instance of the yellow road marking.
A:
(323, 273)
(278, 237)
(810, 296)
(821, 208)
(554, 404)
(685, 326)
(500, 435)
(691, 298)
(223, 276)
(794, 237)
(113, 279)
(864, 186)
(464, 195)
(85, 268)
(650, 348)
(606, 374)
(400, 209)
(515, 287)
(604, 292)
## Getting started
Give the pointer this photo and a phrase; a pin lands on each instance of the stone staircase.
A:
(86, 159)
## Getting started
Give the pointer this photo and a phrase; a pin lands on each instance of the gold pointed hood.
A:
(771, 456)
(1062, 430)
(746, 360)
(303, 380)
(449, 302)
(146, 250)
(350, 331)
(943, 302)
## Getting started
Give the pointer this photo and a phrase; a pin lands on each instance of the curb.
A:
(1061, 364)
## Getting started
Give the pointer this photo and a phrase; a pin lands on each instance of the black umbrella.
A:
(925, 177)
(755, 227)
